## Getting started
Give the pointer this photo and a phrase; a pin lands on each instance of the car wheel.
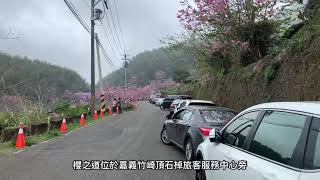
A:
(188, 149)
(164, 137)
(200, 173)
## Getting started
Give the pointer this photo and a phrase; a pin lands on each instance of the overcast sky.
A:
(48, 31)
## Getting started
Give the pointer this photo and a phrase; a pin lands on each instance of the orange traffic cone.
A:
(82, 121)
(63, 127)
(101, 113)
(95, 115)
(110, 111)
(20, 142)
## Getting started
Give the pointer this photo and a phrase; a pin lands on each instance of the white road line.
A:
(46, 141)
(18, 151)
(68, 132)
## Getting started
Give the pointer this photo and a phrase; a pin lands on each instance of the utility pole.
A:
(125, 70)
(93, 81)
(95, 14)
(102, 100)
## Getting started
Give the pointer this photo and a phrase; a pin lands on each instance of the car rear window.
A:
(217, 115)
(176, 101)
(201, 104)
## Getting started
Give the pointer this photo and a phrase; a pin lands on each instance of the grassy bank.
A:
(8, 147)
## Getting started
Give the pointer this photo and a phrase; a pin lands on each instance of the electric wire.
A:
(88, 29)
(123, 41)
(115, 29)
(109, 42)
(112, 34)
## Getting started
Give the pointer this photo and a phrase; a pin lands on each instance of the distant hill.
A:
(25, 77)
(144, 66)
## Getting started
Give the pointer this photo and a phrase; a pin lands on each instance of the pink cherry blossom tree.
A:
(224, 26)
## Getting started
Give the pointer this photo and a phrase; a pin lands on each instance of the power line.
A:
(112, 35)
(115, 28)
(87, 4)
(72, 9)
(87, 28)
(115, 5)
(106, 34)
(104, 52)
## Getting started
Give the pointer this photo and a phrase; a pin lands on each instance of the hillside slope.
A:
(290, 75)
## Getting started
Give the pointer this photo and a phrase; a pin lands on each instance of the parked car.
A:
(188, 102)
(159, 101)
(279, 140)
(153, 97)
(189, 126)
(170, 98)
(166, 103)
(174, 104)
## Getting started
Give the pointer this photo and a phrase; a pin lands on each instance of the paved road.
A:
(131, 136)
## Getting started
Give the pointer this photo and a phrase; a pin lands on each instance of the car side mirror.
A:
(214, 136)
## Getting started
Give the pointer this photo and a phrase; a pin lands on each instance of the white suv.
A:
(278, 141)
(190, 102)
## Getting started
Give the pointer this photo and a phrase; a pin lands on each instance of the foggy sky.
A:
(48, 31)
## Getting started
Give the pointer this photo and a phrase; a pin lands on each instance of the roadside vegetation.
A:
(227, 36)
(49, 133)
(39, 95)
(9, 146)
(240, 44)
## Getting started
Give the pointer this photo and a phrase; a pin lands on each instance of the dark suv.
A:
(170, 98)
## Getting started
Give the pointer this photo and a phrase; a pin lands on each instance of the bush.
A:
(32, 115)
(75, 111)
(11, 119)
(35, 116)
(271, 70)
(292, 30)
(260, 37)
(61, 106)
(245, 75)
(9, 134)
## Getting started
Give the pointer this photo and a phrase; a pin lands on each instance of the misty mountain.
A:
(26, 77)
(144, 66)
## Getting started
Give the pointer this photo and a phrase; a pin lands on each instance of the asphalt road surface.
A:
(130, 136)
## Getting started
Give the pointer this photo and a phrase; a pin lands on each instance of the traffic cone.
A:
(110, 111)
(20, 142)
(95, 116)
(82, 121)
(63, 127)
(101, 113)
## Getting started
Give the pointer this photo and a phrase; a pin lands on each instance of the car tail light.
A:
(205, 131)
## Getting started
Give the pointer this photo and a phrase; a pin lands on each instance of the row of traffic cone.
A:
(20, 141)
(63, 127)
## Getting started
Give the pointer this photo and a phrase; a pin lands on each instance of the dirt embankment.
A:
(293, 74)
